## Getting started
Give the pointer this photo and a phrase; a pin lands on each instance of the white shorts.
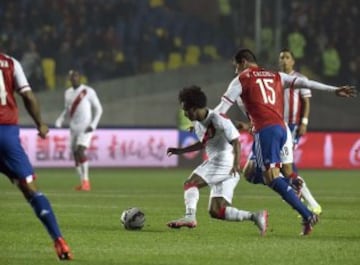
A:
(80, 138)
(218, 177)
(287, 152)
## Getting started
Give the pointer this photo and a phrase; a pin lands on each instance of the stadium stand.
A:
(118, 38)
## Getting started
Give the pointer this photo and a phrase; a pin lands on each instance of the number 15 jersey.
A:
(262, 94)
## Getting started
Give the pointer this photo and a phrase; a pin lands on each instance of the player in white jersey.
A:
(84, 110)
(220, 138)
(296, 115)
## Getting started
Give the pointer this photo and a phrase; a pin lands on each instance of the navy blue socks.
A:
(44, 212)
(280, 186)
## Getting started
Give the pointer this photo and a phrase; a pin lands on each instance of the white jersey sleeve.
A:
(303, 92)
(233, 92)
(22, 83)
(96, 107)
(219, 132)
(289, 81)
(199, 130)
(230, 132)
(241, 105)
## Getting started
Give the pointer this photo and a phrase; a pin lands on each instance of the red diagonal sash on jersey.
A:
(77, 101)
(210, 133)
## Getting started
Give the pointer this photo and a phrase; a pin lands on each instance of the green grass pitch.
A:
(90, 222)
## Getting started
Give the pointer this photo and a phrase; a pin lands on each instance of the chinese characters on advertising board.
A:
(108, 148)
(147, 148)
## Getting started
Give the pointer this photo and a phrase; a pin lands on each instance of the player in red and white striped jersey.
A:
(296, 114)
(261, 91)
(84, 110)
(14, 162)
(296, 101)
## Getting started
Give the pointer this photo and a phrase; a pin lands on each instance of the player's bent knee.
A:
(253, 175)
(255, 179)
(248, 178)
(27, 189)
(286, 170)
(33, 196)
(188, 185)
(217, 213)
(213, 214)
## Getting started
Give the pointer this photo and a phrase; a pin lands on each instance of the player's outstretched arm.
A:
(178, 151)
(346, 91)
(33, 108)
(298, 82)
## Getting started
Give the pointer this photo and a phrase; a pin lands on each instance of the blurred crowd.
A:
(105, 39)
(116, 38)
(325, 34)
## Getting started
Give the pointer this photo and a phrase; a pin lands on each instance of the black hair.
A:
(75, 70)
(246, 54)
(192, 97)
(289, 51)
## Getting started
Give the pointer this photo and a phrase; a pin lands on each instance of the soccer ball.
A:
(132, 219)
